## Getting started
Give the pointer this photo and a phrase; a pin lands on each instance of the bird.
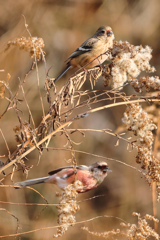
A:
(92, 52)
(90, 176)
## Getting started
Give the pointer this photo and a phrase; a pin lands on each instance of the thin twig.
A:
(53, 227)
(28, 106)
(97, 156)
(3, 209)
(9, 153)
(16, 93)
(26, 26)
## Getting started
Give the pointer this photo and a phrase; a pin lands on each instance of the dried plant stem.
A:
(63, 126)
(3, 209)
(11, 186)
(9, 154)
(154, 201)
(87, 102)
(30, 113)
(11, 101)
(39, 89)
(50, 204)
(154, 195)
(53, 227)
(100, 131)
(122, 103)
(97, 156)
(34, 147)
(31, 204)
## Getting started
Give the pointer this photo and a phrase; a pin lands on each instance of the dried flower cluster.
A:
(146, 83)
(108, 235)
(67, 208)
(4, 85)
(141, 231)
(153, 109)
(33, 45)
(127, 63)
(138, 121)
(24, 132)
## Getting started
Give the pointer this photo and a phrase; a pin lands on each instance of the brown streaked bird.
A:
(92, 52)
(90, 176)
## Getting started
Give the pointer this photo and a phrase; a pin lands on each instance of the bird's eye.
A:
(103, 32)
(103, 168)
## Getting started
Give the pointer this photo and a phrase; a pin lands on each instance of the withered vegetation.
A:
(69, 104)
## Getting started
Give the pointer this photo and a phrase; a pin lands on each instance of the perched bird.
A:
(92, 52)
(90, 176)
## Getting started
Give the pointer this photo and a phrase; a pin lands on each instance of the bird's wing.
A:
(87, 46)
(80, 167)
(58, 170)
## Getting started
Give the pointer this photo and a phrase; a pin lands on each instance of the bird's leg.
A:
(85, 70)
(100, 68)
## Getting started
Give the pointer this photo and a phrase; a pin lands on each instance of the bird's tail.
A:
(30, 182)
(62, 73)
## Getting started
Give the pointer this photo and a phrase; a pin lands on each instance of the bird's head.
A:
(105, 32)
(99, 170)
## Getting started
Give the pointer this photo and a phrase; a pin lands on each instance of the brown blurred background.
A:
(64, 25)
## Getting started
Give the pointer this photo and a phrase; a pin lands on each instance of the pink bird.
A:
(90, 176)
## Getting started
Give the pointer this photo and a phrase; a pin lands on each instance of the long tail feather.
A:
(30, 182)
(62, 73)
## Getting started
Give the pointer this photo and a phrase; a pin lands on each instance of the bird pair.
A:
(91, 53)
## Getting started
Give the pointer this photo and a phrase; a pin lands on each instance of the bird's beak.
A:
(109, 33)
(107, 169)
